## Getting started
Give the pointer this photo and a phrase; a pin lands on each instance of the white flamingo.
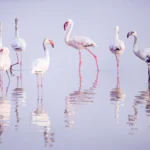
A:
(118, 48)
(5, 60)
(41, 65)
(18, 44)
(79, 42)
(143, 54)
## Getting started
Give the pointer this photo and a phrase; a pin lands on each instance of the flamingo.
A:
(143, 54)
(41, 65)
(18, 45)
(118, 48)
(79, 42)
(5, 60)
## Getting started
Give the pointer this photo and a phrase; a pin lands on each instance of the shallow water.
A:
(79, 109)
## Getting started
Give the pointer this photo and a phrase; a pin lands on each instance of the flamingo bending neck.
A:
(46, 50)
(67, 37)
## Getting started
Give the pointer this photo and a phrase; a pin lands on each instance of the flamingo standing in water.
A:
(41, 65)
(79, 42)
(18, 45)
(5, 60)
(142, 54)
(118, 47)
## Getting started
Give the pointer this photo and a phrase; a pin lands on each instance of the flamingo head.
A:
(117, 29)
(16, 20)
(133, 33)
(68, 22)
(47, 41)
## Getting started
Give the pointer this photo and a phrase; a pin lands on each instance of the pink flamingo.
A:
(18, 45)
(118, 47)
(5, 60)
(79, 42)
(41, 65)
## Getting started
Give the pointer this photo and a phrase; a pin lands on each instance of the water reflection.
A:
(80, 97)
(5, 109)
(117, 96)
(41, 119)
(18, 97)
(143, 98)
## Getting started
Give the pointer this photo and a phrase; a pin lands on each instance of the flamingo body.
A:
(79, 42)
(5, 60)
(141, 54)
(118, 47)
(18, 44)
(40, 66)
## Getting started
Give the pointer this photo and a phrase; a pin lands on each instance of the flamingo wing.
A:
(83, 41)
(40, 65)
(18, 43)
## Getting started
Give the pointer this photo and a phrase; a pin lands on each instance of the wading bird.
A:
(118, 47)
(41, 65)
(5, 61)
(79, 42)
(18, 45)
(142, 54)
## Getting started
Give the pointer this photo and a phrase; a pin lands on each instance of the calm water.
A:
(78, 110)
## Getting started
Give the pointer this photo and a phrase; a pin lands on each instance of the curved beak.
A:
(52, 43)
(65, 25)
(128, 34)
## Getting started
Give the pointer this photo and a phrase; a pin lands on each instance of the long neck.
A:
(117, 35)
(68, 33)
(16, 29)
(0, 35)
(135, 45)
(46, 51)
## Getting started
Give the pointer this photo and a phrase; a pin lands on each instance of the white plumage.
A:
(41, 65)
(18, 45)
(118, 47)
(79, 42)
(5, 60)
(142, 54)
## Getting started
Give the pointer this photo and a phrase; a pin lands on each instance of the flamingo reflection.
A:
(41, 119)
(5, 110)
(18, 97)
(79, 97)
(143, 98)
(117, 96)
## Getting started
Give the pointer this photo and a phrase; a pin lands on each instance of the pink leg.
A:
(21, 62)
(41, 87)
(80, 63)
(2, 84)
(37, 84)
(80, 60)
(17, 81)
(117, 60)
(96, 80)
(21, 77)
(8, 75)
(95, 57)
(15, 63)
(118, 80)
